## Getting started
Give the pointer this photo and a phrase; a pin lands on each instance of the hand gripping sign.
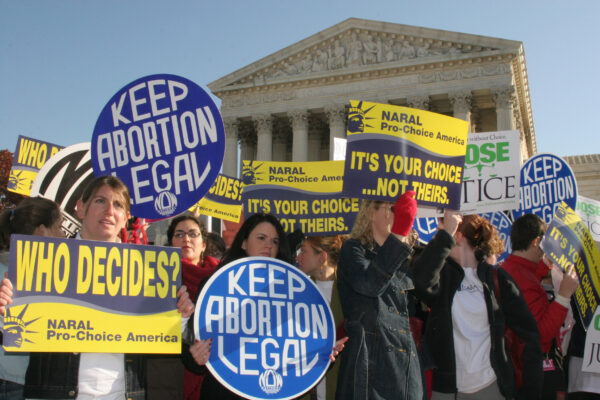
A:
(163, 136)
(272, 329)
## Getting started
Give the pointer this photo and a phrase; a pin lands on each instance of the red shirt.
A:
(548, 315)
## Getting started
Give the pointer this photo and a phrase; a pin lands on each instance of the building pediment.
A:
(358, 45)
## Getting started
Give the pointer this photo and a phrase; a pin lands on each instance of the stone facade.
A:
(291, 104)
(587, 173)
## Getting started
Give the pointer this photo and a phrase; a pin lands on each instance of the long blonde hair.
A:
(362, 229)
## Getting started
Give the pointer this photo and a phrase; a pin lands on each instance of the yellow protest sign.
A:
(223, 200)
(392, 149)
(88, 296)
(30, 156)
(303, 195)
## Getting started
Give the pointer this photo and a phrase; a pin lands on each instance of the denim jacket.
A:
(55, 376)
(380, 359)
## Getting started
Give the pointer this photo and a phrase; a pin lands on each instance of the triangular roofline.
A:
(499, 46)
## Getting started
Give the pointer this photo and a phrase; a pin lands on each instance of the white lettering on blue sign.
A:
(546, 181)
(164, 137)
(270, 325)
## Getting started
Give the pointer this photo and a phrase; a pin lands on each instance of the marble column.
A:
(314, 143)
(337, 125)
(279, 143)
(421, 102)
(264, 135)
(504, 98)
(230, 162)
(461, 104)
(300, 135)
(248, 139)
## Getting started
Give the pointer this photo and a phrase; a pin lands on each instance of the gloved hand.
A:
(405, 211)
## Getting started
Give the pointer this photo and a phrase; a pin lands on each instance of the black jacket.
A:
(56, 375)
(436, 285)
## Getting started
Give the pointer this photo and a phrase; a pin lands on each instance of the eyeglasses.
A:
(190, 234)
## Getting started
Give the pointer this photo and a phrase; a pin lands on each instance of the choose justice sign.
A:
(272, 329)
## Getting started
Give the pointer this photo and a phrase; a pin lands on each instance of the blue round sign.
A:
(426, 227)
(546, 181)
(163, 136)
(503, 225)
(272, 329)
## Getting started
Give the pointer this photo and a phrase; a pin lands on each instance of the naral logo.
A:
(270, 381)
(165, 203)
(14, 328)
(250, 172)
(357, 117)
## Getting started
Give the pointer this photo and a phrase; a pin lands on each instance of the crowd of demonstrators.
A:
(103, 210)
(372, 281)
(318, 258)
(466, 326)
(33, 216)
(528, 267)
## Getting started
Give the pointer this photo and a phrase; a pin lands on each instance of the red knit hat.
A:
(405, 211)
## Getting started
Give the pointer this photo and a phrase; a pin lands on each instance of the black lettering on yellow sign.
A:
(99, 270)
(227, 187)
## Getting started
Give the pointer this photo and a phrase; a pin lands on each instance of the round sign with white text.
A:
(272, 330)
(546, 181)
(163, 136)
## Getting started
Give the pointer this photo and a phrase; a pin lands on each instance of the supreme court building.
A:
(290, 105)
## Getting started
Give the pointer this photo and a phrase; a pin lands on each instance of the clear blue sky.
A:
(61, 61)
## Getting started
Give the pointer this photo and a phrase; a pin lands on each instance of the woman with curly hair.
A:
(466, 326)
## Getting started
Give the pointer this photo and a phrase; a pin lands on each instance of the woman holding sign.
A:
(33, 216)
(261, 235)
(104, 211)
(471, 305)
(381, 360)
(189, 233)
(318, 258)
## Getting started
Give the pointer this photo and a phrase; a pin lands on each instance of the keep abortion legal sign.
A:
(163, 136)
(272, 329)
(546, 181)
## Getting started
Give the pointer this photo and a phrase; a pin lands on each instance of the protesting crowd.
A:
(325, 290)
(414, 322)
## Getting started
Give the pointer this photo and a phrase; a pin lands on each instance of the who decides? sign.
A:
(163, 136)
(272, 329)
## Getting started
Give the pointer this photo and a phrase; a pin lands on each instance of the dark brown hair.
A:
(524, 229)
(28, 215)
(175, 221)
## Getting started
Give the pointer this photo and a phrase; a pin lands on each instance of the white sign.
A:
(591, 355)
(491, 174)
(589, 211)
